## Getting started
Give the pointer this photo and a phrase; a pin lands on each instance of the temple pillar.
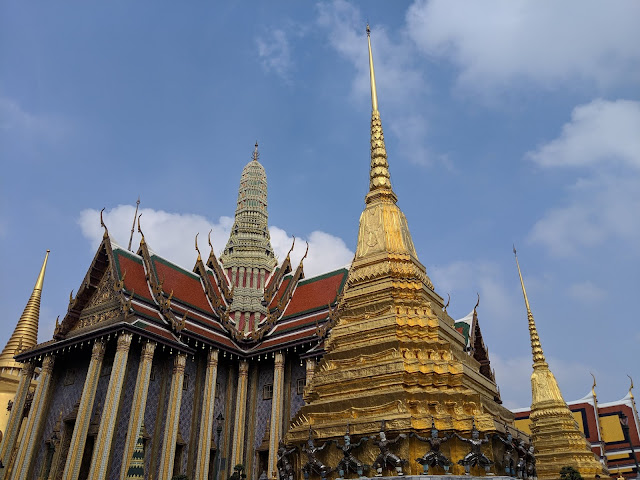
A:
(310, 369)
(276, 415)
(167, 456)
(15, 417)
(102, 448)
(138, 405)
(79, 436)
(34, 421)
(206, 423)
(237, 453)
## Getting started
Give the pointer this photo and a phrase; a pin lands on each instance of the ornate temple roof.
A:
(149, 295)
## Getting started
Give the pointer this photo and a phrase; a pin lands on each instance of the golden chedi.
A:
(555, 434)
(393, 353)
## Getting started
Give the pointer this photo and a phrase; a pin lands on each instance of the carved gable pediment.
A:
(104, 304)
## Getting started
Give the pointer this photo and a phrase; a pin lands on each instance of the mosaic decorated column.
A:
(83, 418)
(34, 421)
(102, 447)
(206, 424)
(167, 456)
(276, 414)
(138, 405)
(15, 417)
(311, 367)
(241, 409)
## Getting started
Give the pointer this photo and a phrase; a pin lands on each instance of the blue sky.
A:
(505, 122)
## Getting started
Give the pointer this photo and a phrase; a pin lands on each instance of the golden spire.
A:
(25, 335)
(536, 348)
(379, 177)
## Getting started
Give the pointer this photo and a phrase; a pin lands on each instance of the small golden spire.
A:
(379, 176)
(256, 155)
(25, 335)
(133, 226)
(536, 348)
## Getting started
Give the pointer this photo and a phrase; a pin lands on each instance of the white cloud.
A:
(274, 51)
(172, 235)
(587, 292)
(603, 206)
(501, 42)
(599, 132)
(28, 128)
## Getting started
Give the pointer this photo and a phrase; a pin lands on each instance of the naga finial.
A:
(447, 305)
(630, 386)
(197, 249)
(140, 230)
(292, 245)
(593, 387)
(305, 253)
(106, 232)
(478, 302)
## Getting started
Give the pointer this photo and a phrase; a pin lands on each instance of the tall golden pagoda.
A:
(393, 353)
(24, 337)
(555, 434)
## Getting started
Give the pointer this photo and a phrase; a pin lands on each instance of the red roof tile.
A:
(134, 280)
(186, 287)
(316, 293)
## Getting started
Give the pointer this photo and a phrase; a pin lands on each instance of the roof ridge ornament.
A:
(133, 226)
(106, 232)
(255, 155)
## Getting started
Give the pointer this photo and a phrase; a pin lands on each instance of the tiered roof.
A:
(185, 310)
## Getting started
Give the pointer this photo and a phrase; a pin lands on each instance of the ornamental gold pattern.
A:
(100, 461)
(83, 418)
(170, 437)
(138, 404)
(393, 353)
(206, 423)
(34, 420)
(555, 434)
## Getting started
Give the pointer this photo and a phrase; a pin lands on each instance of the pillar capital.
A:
(279, 360)
(148, 350)
(124, 341)
(179, 363)
(97, 352)
(27, 369)
(243, 368)
(212, 358)
(47, 364)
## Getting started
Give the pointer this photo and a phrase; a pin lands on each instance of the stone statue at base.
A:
(285, 469)
(349, 462)
(314, 465)
(475, 456)
(531, 463)
(434, 457)
(509, 453)
(521, 467)
(385, 457)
